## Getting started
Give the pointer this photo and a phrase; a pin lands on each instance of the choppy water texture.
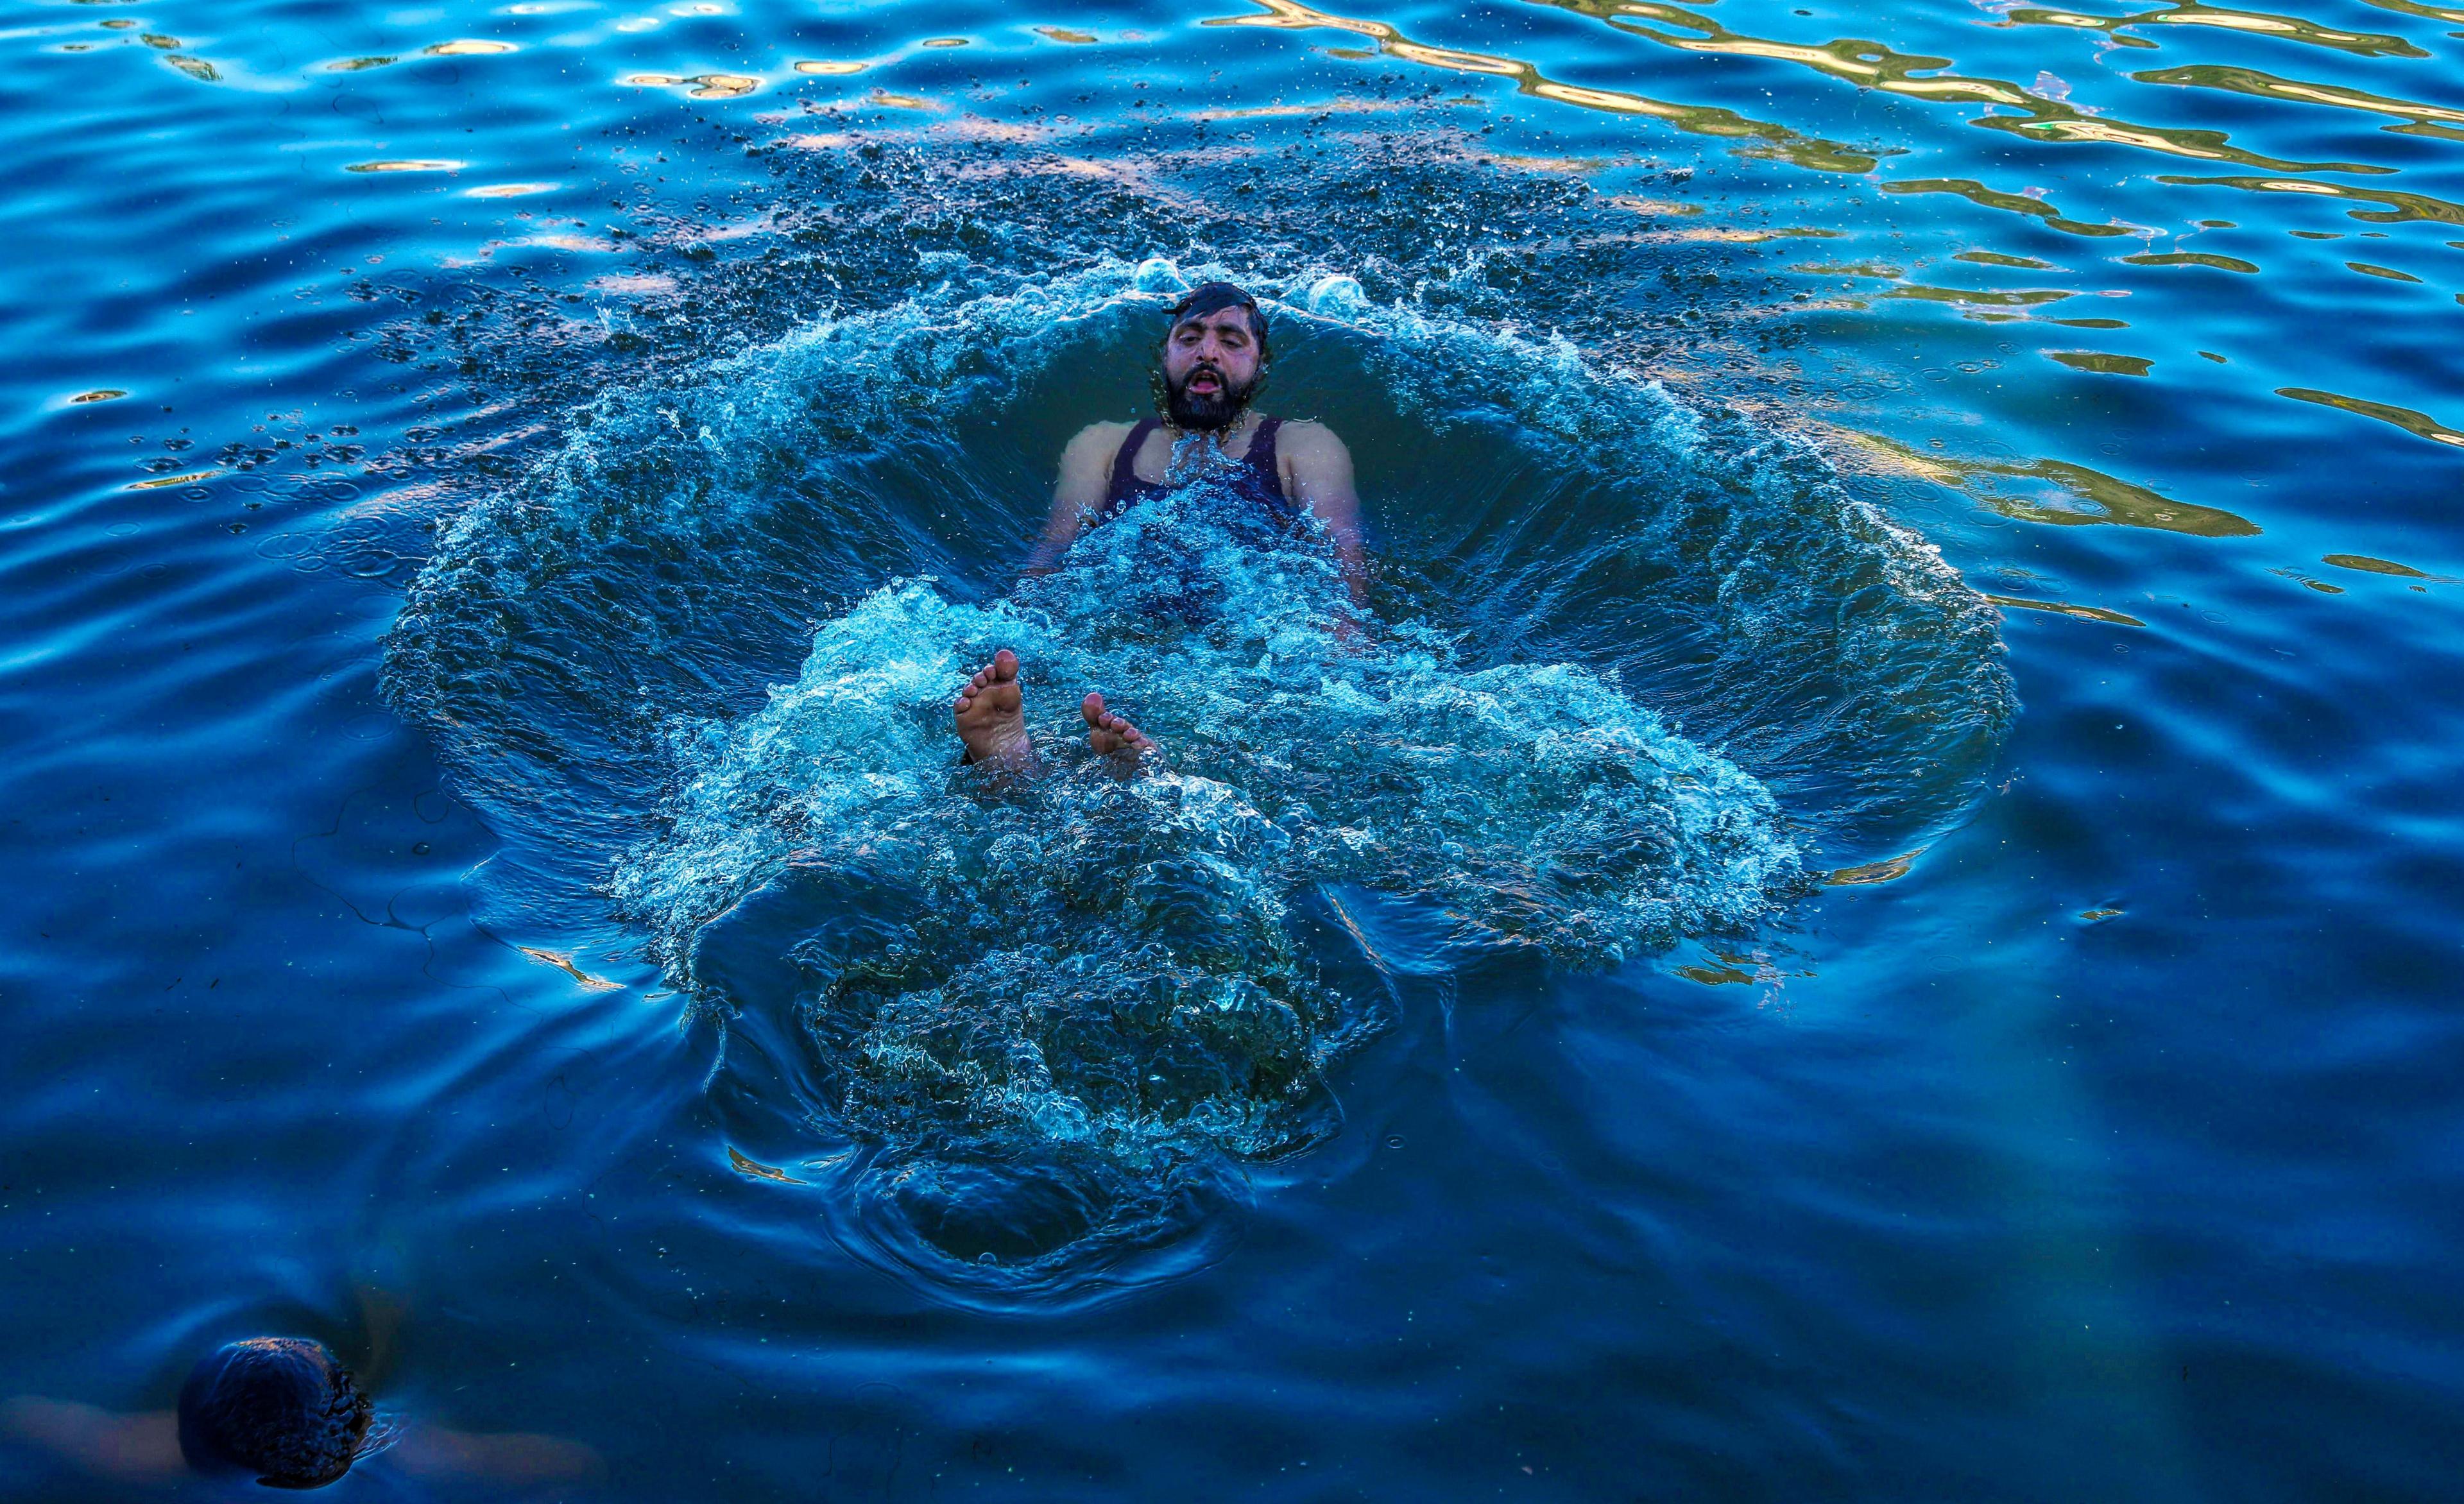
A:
(1862, 912)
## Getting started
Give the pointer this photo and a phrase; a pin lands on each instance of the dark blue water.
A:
(1875, 918)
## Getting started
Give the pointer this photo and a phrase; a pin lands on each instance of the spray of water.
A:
(1056, 1010)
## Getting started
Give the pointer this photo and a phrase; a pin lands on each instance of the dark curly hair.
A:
(1210, 297)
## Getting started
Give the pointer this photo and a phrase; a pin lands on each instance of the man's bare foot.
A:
(991, 722)
(1108, 733)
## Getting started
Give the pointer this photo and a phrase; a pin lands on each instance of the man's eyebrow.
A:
(1200, 323)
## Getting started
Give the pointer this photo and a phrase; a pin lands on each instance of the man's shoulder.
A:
(1090, 448)
(1307, 435)
(1100, 435)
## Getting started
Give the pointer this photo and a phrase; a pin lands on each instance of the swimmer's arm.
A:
(1085, 472)
(1321, 475)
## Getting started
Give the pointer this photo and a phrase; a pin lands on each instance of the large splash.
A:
(700, 662)
(1536, 801)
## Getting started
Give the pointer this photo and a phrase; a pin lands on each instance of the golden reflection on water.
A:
(1338, 106)
(2308, 583)
(2370, 566)
(2399, 206)
(2220, 263)
(2419, 119)
(2089, 497)
(2291, 29)
(2206, 143)
(2040, 111)
(633, 284)
(1771, 139)
(2100, 363)
(699, 85)
(1726, 235)
(2413, 7)
(1563, 166)
(2086, 613)
(1964, 297)
(2404, 418)
(1852, 269)
(1654, 206)
(758, 1170)
(564, 963)
(1888, 870)
(2064, 494)
(461, 48)
(1872, 65)
(1984, 197)
(1721, 975)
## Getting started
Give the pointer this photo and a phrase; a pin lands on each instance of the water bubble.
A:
(1334, 297)
(1158, 274)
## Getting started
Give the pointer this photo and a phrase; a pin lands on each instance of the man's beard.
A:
(1206, 411)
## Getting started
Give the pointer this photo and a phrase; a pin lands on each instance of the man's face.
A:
(1210, 368)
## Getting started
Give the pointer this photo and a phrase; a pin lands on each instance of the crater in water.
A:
(1057, 1018)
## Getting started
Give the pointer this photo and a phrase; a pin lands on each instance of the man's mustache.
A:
(1212, 409)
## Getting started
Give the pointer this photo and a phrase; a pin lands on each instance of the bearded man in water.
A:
(1214, 357)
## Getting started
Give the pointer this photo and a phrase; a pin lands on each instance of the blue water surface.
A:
(1871, 916)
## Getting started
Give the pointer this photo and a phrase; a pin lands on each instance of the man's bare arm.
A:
(1320, 467)
(1078, 494)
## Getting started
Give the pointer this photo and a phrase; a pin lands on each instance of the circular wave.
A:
(1056, 1014)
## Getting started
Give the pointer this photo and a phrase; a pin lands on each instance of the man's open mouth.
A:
(1205, 380)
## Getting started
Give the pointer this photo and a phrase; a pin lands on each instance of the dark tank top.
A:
(1253, 474)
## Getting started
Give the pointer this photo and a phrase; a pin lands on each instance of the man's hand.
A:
(1086, 474)
(1318, 475)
